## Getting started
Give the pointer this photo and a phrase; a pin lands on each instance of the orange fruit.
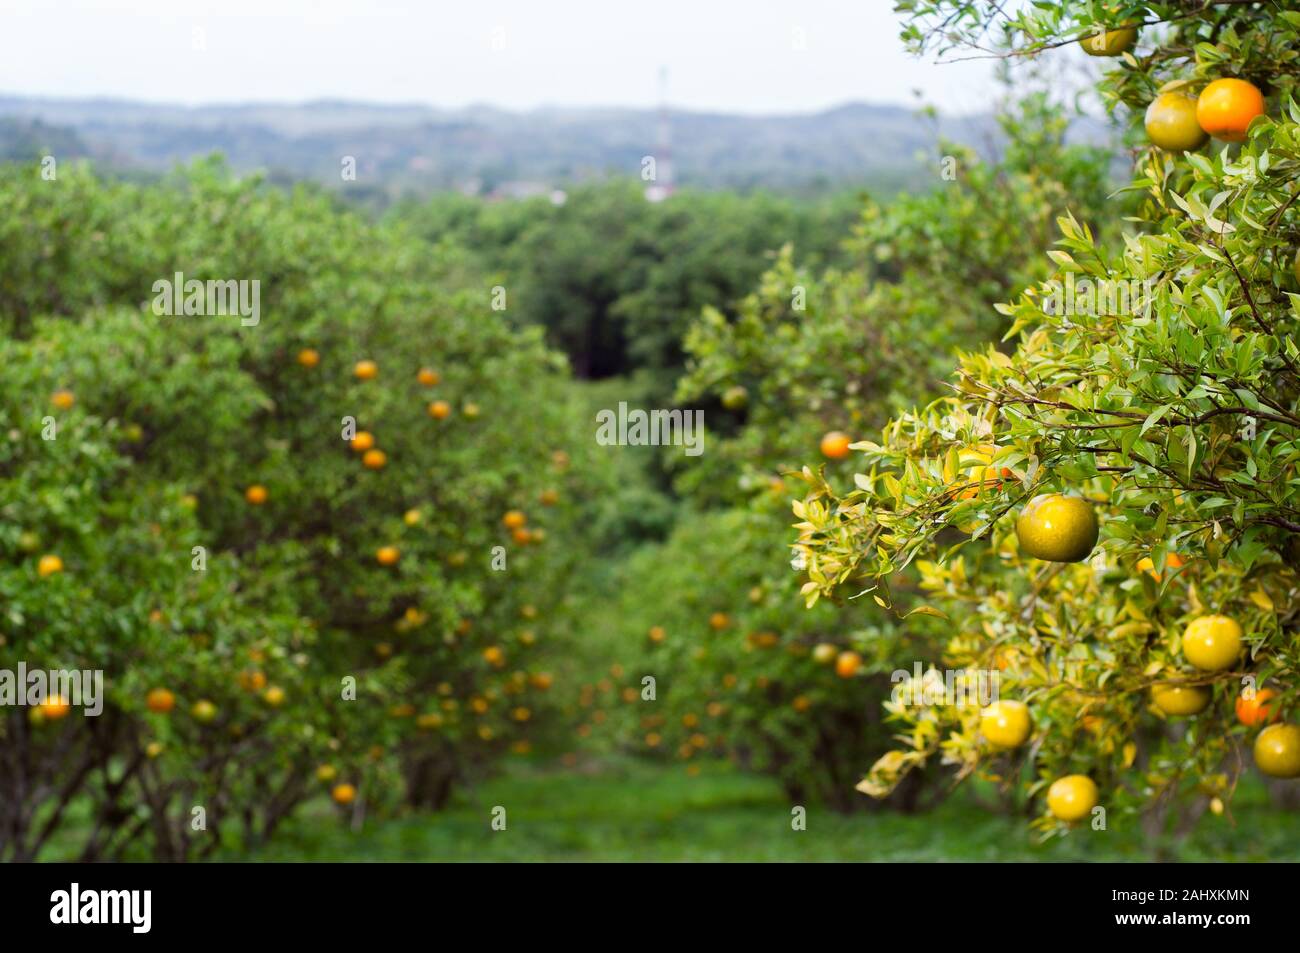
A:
(847, 664)
(514, 519)
(54, 707)
(343, 794)
(256, 494)
(387, 555)
(1256, 711)
(440, 410)
(835, 445)
(366, 370)
(363, 441)
(719, 621)
(522, 536)
(411, 517)
(1181, 700)
(160, 700)
(1109, 42)
(1226, 107)
(1171, 122)
(1212, 643)
(274, 696)
(1072, 798)
(801, 703)
(203, 711)
(549, 497)
(1277, 751)
(1006, 724)
(428, 377)
(824, 653)
(656, 633)
(48, 565)
(308, 357)
(326, 773)
(1173, 562)
(1057, 528)
(494, 656)
(374, 459)
(252, 680)
(63, 399)
(985, 478)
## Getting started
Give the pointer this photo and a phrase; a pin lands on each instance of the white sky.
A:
(727, 55)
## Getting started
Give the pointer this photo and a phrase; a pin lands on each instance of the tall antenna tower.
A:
(663, 186)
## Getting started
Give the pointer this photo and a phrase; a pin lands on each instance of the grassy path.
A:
(631, 811)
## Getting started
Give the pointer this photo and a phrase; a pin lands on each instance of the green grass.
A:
(630, 811)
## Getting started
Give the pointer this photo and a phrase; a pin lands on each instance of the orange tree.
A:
(383, 477)
(739, 666)
(1152, 390)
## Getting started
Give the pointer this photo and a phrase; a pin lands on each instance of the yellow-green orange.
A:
(1060, 529)
(1171, 122)
(1179, 700)
(1212, 643)
(1277, 751)
(1111, 42)
(1071, 798)
(1006, 724)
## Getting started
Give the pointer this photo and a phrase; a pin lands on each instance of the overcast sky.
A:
(758, 56)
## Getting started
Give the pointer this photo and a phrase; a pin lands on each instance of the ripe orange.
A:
(274, 696)
(1227, 106)
(656, 633)
(1171, 122)
(374, 459)
(541, 680)
(366, 370)
(1072, 798)
(308, 357)
(48, 565)
(387, 555)
(1212, 643)
(835, 445)
(494, 656)
(984, 479)
(1256, 711)
(1277, 751)
(160, 700)
(522, 536)
(256, 494)
(63, 399)
(847, 664)
(514, 519)
(1173, 562)
(54, 708)
(719, 621)
(252, 680)
(363, 441)
(801, 703)
(440, 410)
(1109, 42)
(428, 377)
(343, 794)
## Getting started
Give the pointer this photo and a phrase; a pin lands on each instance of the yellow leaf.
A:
(1261, 599)
(1130, 752)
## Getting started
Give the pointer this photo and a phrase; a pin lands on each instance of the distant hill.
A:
(402, 149)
